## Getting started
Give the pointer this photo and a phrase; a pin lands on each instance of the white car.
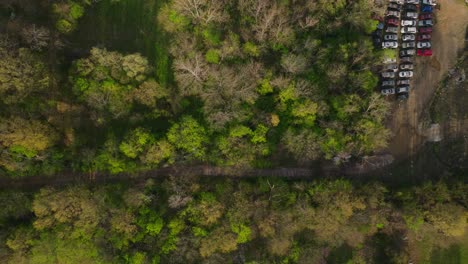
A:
(406, 30)
(389, 44)
(408, 66)
(408, 23)
(387, 60)
(393, 13)
(408, 37)
(423, 45)
(390, 75)
(392, 30)
(391, 37)
(414, 2)
(429, 2)
(411, 14)
(407, 45)
(405, 74)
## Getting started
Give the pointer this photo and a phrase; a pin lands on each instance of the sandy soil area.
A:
(407, 122)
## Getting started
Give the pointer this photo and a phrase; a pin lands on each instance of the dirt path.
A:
(447, 41)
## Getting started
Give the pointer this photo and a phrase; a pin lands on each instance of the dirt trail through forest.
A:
(407, 122)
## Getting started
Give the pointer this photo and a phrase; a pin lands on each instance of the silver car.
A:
(388, 91)
(407, 45)
(403, 82)
(408, 37)
(388, 83)
(389, 44)
(391, 75)
(391, 37)
(403, 89)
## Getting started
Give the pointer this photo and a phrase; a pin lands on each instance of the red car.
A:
(423, 37)
(425, 29)
(392, 21)
(425, 16)
(424, 52)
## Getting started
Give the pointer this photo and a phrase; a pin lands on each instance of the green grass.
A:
(128, 26)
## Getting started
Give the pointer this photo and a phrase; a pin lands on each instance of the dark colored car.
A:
(425, 16)
(411, 7)
(424, 52)
(425, 29)
(392, 21)
(423, 37)
(426, 9)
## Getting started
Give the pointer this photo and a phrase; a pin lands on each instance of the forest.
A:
(227, 83)
(266, 220)
(125, 87)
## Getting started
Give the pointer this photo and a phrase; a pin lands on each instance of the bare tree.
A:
(37, 38)
(202, 11)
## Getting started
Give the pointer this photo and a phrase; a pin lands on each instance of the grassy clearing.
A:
(127, 26)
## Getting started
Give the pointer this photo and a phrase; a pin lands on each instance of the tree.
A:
(189, 136)
(22, 74)
(109, 83)
(22, 141)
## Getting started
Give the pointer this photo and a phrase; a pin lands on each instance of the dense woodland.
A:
(124, 86)
(187, 220)
(233, 83)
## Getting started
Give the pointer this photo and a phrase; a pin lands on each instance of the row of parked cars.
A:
(409, 30)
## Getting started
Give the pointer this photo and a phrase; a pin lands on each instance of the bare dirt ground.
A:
(408, 123)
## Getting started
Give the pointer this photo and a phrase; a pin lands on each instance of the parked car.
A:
(400, 2)
(426, 9)
(392, 21)
(408, 23)
(403, 89)
(393, 13)
(429, 2)
(408, 52)
(388, 83)
(422, 37)
(391, 37)
(407, 45)
(403, 96)
(387, 91)
(424, 23)
(411, 7)
(408, 37)
(411, 14)
(390, 67)
(391, 75)
(425, 16)
(407, 66)
(406, 59)
(387, 60)
(425, 29)
(403, 82)
(423, 45)
(414, 2)
(389, 44)
(405, 74)
(405, 30)
(424, 52)
(392, 30)
(394, 6)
